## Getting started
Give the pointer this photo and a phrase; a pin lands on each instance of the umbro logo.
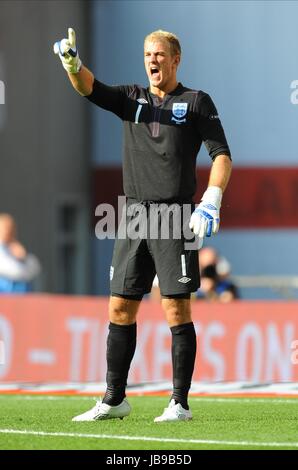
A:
(184, 280)
(142, 101)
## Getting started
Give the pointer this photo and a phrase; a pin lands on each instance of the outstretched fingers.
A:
(72, 38)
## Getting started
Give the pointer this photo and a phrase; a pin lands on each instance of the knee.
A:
(120, 317)
(122, 312)
(173, 316)
(177, 317)
(177, 311)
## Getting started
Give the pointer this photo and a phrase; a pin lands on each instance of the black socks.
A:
(183, 356)
(121, 345)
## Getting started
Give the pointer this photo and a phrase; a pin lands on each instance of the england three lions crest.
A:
(179, 110)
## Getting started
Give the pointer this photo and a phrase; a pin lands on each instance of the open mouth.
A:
(154, 71)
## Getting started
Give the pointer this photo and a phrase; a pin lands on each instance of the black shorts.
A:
(136, 259)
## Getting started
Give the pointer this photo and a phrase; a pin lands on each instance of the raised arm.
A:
(81, 78)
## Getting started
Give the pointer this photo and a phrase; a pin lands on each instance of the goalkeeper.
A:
(164, 127)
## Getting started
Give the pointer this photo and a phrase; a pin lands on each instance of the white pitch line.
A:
(150, 439)
(248, 400)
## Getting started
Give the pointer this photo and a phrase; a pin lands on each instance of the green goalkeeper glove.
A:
(68, 53)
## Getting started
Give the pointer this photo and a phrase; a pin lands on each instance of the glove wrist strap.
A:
(213, 195)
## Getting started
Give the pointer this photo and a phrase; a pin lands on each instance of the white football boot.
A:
(103, 411)
(174, 413)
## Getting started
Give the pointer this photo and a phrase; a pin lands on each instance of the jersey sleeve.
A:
(110, 98)
(210, 128)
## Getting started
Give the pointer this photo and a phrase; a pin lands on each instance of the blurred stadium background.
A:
(61, 157)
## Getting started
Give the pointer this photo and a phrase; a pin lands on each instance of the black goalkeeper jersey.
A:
(162, 138)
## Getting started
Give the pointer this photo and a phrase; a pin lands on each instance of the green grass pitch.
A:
(44, 422)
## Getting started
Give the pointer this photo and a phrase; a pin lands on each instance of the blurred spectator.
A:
(215, 277)
(17, 267)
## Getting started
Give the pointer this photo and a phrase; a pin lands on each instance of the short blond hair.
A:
(171, 38)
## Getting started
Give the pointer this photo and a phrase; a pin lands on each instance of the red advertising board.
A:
(62, 339)
(256, 197)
